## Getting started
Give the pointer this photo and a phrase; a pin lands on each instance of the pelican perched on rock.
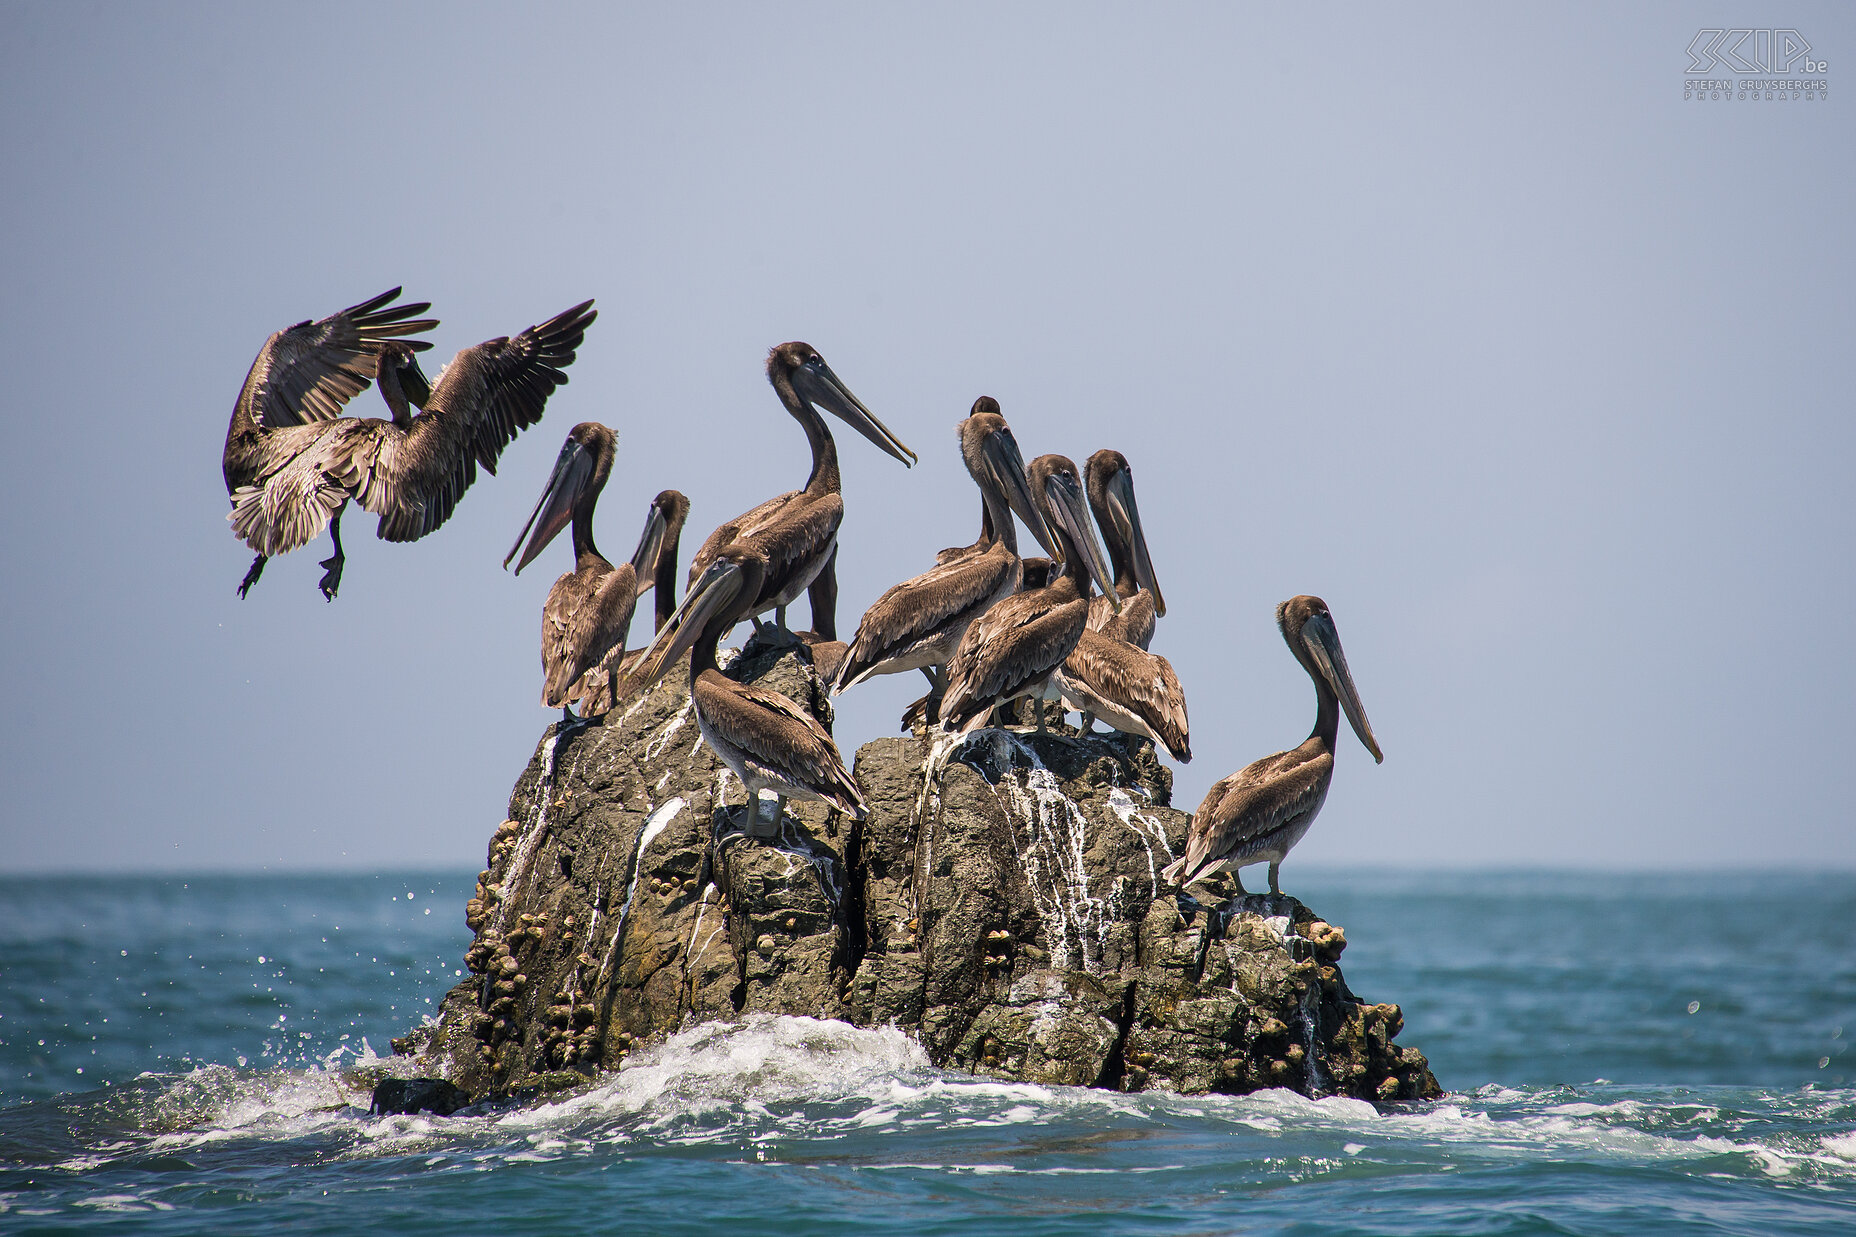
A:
(767, 740)
(1258, 813)
(1012, 649)
(1131, 689)
(292, 461)
(918, 624)
(795, 535)
(599, 688)
(589, 609)
(1111, 497)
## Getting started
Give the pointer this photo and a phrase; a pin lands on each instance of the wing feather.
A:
(1254, 802)
(1008, 649)
(485, 397)
(1104, 675)
(916, 609)
(310, 371)
(585, 619)
(776, 733)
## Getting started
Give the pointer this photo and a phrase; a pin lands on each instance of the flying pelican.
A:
(796, 534)
(304, 376)
(767, 740)
(1111, 497)
(1262, 810)
(918, 624)
(1013, 648)
(1131, 689)
(589, 609)
(292, 462)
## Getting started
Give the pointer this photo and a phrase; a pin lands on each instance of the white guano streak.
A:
(652, 827)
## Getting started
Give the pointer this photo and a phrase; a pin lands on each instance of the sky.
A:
(1460, 317)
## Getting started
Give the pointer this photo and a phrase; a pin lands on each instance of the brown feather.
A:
(1242, 815)
(1110, 677)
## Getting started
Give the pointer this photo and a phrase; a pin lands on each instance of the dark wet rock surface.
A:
(1003, 911)
(407, 1095)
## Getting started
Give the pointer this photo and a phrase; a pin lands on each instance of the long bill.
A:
(650, 545)
(573, 468)
(822, 387)
(1127, 516)
(1323, 643)
(714, 595)
(413, 382)
(1005, 470)
(1064, 498)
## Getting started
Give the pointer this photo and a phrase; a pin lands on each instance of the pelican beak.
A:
(1005, 468)
(1323, 643)
(1068, 508)
(818, 385)
(573, 468)
(716, 592)
(1127, 517)
(414, 383)
(650, 545)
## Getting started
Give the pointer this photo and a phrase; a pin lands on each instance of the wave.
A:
(783, 1085)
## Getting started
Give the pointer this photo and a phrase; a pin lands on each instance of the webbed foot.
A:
(331, 578)
(251, 576)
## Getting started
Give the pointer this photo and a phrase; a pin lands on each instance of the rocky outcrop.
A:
(1004, 909)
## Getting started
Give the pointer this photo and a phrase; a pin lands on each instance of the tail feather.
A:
(1174, 872)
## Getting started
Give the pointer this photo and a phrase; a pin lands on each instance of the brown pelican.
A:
(589, 609)
(292, 462)
(1263, 809)
(303, 377)
(768, 741)
(1111, 498)
(796, 534)
(918, 624)
(1131, 689)
(598, 690)
(1013, 648)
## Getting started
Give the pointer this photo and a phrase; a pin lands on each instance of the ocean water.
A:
(1628, 1054)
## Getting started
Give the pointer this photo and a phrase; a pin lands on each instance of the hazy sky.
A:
(1460, 317)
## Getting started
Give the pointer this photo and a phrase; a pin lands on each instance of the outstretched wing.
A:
(484, 398)
(308, 372)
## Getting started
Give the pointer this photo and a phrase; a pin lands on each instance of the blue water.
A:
(1624, 1055)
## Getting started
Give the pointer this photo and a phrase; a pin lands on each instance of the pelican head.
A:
(992, 456)
(580, 473)
(401, 380)
(716, 601)
(665, 517)
(799, 368)
(1060, 498)
(1309, 630)
(1111, 497)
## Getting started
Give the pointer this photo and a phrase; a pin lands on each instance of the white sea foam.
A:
(765, 1081)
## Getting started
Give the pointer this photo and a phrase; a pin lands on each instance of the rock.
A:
(406, 1095)
(1003, 910)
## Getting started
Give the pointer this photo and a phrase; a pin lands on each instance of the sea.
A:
(1623, 1054)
